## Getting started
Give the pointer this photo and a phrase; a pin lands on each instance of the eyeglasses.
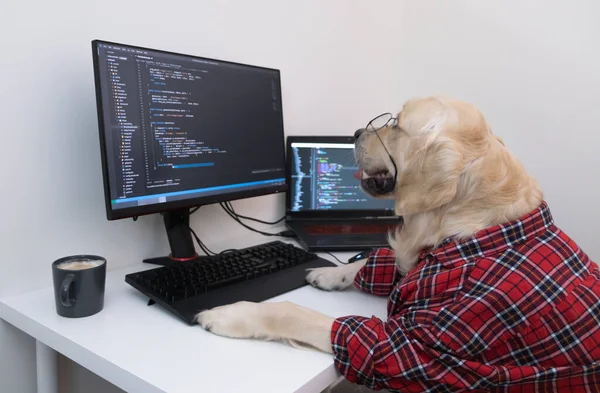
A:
(382, 121)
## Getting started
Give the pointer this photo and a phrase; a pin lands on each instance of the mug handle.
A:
(64, 290)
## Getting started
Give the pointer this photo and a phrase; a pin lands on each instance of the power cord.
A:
(232, 210)
(336, 258)
(237, 217)
(202, 246)
(229, 210)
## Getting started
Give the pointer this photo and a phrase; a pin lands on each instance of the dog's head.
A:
(431, 143)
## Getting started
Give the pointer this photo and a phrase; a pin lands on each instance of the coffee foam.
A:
(80, 264)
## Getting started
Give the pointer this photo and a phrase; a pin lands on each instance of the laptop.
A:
(326, 207)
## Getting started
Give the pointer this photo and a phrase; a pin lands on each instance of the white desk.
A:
(144, 349)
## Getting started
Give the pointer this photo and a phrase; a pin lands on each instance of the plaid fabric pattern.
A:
(515, 308)
(379, 275)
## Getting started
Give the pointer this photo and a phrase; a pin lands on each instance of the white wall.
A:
(531, 66)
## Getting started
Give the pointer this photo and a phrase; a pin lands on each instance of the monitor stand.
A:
(177, 224)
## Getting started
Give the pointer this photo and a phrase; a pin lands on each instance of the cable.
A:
(234, 217)
(232, 210)
(228, 207)
(239, 221)
(336, 258)
(202, 246)
(205, 248)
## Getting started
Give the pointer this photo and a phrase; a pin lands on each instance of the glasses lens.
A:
(379, 122)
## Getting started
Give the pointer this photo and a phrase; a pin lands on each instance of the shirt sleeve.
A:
(399, 355)
(438, 341)
(380, 274)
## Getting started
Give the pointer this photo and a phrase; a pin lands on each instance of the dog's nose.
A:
(358, 133)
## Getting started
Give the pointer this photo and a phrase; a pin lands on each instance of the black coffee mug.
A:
(79, 282)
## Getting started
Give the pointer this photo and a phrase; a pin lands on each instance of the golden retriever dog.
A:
(453, 181)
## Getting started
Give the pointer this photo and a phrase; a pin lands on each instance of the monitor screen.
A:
(178, 130)
(322, 178)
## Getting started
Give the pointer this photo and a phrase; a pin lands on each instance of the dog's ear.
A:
(430, 177)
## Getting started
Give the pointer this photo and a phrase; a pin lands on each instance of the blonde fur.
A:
(455, 178)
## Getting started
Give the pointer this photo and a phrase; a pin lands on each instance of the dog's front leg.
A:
(335, 278)
(269, 321)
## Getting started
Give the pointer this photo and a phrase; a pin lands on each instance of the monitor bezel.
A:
(115, 214)
(319, 214)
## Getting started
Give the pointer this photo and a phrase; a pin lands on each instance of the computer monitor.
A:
(178, 131)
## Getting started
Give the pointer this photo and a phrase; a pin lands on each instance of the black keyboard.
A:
(252, 274)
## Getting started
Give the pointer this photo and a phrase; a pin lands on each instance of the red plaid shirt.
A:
(515, 308)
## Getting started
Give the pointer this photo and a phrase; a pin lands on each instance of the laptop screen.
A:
(322, 178)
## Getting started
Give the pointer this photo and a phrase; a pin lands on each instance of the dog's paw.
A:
(333, 278)
(236, 320)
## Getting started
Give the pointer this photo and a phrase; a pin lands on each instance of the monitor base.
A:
(168, 260)
(177, 225)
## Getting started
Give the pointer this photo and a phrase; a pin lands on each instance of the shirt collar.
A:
(495, 239)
